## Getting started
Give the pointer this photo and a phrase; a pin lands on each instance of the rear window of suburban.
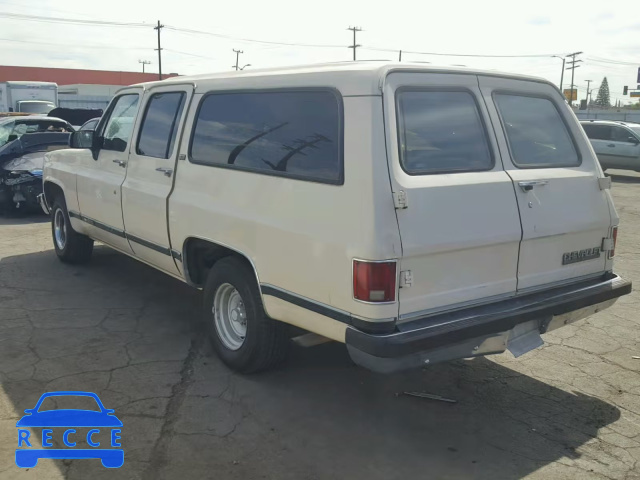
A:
(296, 134)
(537, 135)
(441, 132)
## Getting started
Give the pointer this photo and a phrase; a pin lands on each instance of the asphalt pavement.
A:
(116, 327)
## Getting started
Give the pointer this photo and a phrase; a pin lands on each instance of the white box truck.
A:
(28, 97)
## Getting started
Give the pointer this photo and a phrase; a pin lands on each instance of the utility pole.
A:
(238, 52)
(158, 28)
(562, 73)
(144, 62)
(355, 45)
(588, 84)
(573, 70)
(400, 56)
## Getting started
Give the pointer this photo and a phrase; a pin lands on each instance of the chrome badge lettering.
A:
(580, 255)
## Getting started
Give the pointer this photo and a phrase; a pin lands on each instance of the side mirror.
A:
(633, 140)
(81, 139)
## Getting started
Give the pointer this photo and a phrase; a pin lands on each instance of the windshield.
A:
(636, 130)
(36, 107)
(13, 130)
(5, 131)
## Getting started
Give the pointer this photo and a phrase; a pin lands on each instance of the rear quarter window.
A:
(536, 133)
(441, 132)
(295, 134)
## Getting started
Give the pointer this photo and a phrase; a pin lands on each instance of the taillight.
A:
(614, 232)
(374, 281)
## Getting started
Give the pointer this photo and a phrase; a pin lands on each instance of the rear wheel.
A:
(241, 333)
(70, 246)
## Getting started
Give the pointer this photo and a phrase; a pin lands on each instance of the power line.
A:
(104, 23)
(74, 21)
(251, 40)
(83, 45)
(376, 49)
(615, 62)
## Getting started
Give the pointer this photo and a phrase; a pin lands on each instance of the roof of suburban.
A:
(362, 77)
(610, 122)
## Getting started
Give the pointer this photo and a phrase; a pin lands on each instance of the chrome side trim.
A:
(96, 223)
(42, 200)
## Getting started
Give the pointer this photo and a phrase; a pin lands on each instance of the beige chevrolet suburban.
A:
(416, 214)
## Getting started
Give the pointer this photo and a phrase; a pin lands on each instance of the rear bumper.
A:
(481, 330)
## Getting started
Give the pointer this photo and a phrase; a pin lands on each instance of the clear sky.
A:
(608, 32)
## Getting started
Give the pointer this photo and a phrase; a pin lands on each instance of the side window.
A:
(597, 132)
(535, 131)
(441, 132)
(295, 134)
(160, 125)
(117, 131)
(620, 134)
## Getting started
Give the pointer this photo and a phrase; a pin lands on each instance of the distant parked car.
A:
(76, 116)
(90, 124)
(617, 144)
(21, 162)
(12, 128)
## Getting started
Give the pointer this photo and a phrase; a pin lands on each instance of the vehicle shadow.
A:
(132, 335)
(13, 218)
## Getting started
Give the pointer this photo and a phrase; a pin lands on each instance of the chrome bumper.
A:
(43, 203)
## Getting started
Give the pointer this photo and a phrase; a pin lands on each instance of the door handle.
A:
(528, 185)
(120, 163)
(167, 171)
(611, 145)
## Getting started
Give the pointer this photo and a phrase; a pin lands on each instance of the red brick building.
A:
(69, 76)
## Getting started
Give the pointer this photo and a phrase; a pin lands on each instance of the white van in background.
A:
(28, 97)
(417, 214)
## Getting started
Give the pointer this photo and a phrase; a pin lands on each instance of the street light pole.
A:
(144, 62)
(562, 73)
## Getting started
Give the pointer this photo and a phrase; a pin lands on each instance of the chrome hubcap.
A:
(229, 316)
(60, 229)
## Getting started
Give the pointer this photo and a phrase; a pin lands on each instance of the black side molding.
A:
(122, 234)
(328, 311)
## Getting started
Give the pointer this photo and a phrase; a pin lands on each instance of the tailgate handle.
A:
(528, 186)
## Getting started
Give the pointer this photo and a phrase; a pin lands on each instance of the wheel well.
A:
(200, 255)
(51, 191)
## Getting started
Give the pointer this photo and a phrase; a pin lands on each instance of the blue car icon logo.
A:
(70, 424)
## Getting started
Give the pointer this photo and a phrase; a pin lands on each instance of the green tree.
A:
(603, 100)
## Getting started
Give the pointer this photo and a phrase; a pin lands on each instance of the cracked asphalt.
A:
(570, 410)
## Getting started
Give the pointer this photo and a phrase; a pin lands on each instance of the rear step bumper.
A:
(484, 329)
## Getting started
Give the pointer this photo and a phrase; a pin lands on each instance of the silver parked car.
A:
(617, 144)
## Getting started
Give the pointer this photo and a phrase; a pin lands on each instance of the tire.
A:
(231, 293)
(71, 247)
